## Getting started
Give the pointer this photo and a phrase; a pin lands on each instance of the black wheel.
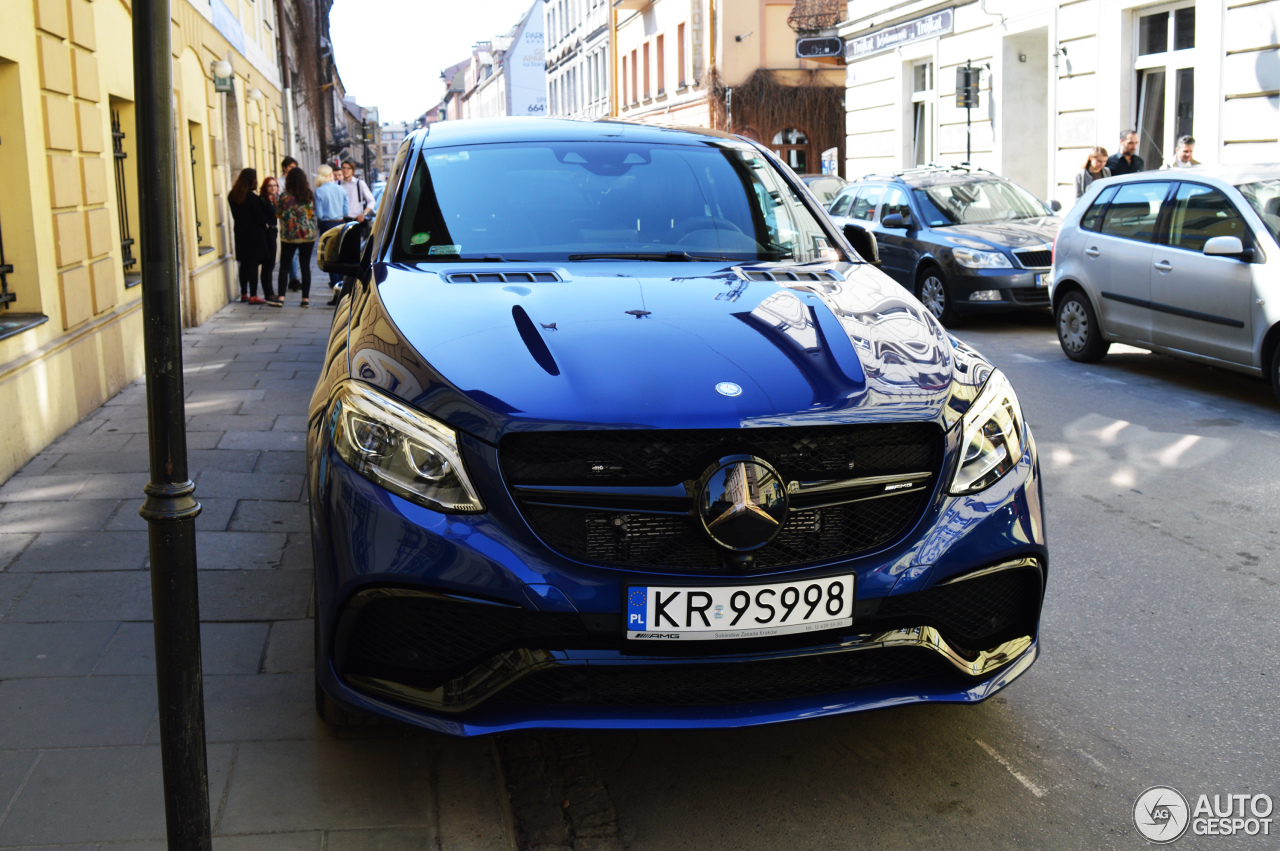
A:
(935, 294)
(1275, 372)
(1078, 329)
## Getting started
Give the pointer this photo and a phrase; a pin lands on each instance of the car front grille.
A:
(670, 538)
(720, 683)
(1030, 296)
(1041, 259)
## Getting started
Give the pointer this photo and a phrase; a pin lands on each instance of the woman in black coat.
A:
(269, 194)
(250, 234)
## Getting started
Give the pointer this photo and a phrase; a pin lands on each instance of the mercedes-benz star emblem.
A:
(728, 388)
(742, 503)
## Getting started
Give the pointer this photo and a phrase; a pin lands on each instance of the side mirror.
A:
(1055, 205)
(1228, 246)
(894, 220)
(340, 250)
(863, 242)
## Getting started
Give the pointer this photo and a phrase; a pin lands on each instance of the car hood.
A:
(627, 346)
(1023, 234)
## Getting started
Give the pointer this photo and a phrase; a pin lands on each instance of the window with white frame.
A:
(922, 101)
(1164, 78)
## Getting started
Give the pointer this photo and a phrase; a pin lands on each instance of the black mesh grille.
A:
(1035, 259)
(698, 684)
(974, 613)
(1031, 296)
(677, 543)
(426, 640)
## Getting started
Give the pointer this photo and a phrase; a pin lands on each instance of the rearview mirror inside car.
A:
(863, 242)
(1055, 205)
(340, 250)
(1228, 246)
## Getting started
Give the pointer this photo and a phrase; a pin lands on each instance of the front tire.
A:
(935, 294)
(1078, 331)
(1275, 372)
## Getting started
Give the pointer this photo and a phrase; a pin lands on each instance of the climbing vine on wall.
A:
(765, 104)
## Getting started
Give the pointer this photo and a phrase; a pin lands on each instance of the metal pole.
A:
(170, 507)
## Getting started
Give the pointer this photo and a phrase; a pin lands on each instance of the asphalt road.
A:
(1159, 638)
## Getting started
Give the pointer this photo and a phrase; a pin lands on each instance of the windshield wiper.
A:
(667, 256)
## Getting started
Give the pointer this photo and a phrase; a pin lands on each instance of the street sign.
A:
(930, 26)
(223, 84)
(807, 48)
(967, 78)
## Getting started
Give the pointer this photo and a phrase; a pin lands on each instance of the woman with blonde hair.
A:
(1095, 168)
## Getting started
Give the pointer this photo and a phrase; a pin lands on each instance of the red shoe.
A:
(244, 297)
(256, 300)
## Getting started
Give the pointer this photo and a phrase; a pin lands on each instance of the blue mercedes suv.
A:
(615, 429)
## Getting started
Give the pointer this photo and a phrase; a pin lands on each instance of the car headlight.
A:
(993, 437)
(400, 449)
(981, 259)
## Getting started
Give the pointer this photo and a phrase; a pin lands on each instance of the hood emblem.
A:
(742, 503)
(728, 388)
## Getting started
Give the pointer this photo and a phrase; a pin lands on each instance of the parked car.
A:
(825, 187)
(963, 240)
(1185, 264)
(616, 430)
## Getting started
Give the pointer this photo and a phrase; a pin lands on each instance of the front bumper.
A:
(1019, 289)
(566, 664)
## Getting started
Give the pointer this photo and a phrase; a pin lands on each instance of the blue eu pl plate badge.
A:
(637, 599)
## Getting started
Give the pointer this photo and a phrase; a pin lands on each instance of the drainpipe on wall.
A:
(290, 142)
(613, 61)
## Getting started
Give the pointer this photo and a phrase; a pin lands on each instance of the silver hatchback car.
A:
(1185, 263)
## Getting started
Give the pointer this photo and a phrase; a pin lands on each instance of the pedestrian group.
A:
(264, 215)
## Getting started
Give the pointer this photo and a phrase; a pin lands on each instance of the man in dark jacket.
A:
(1126, 160)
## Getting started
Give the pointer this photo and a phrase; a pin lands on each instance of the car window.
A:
(556, 200)
(825, 188)
(1200, 213)
(975, 202)
(895, 201)
(841, 206)
(1264, 197)
(864, 207)
(1133, 213)
(1093, 216)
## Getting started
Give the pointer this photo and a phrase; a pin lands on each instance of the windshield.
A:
(1264, 197)
(565, 201)
(977, 203)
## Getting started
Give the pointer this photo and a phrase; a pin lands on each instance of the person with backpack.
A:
(296, 211)
(360, 201)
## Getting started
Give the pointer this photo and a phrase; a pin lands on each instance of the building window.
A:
(624, 80)
(1165, 51)
(661, 57)
(922, 97)
(681, 77)
(792, 146)
(199, 191)
(646, 70)
(122, 198)
(635, 78)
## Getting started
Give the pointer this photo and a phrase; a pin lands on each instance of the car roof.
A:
(1231, 175)
(932, 176)
(520, 129)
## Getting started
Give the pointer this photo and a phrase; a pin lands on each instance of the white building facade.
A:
(578, 58)
(393, 133)
(1057, 79)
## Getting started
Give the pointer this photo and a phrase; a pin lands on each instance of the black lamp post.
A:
(170, 507)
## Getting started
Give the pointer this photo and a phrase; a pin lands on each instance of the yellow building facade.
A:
(71, 325)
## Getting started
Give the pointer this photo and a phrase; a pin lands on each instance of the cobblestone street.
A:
(79, 753)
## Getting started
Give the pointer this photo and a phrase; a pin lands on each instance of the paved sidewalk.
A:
(79, 759)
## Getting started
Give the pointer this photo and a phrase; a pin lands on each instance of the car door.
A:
(1117, 258)
(1202, 303)
(897, 258)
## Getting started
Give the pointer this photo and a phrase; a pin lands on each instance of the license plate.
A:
(1042, 279)
(661, 613)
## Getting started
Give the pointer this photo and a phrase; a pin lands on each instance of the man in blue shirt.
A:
(331, 208)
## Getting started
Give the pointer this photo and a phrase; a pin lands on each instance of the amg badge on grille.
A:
(742, 503)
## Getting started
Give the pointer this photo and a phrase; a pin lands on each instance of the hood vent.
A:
(786, 276)
(502, 277)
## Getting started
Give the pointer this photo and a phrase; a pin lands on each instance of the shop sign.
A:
(930, 26)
